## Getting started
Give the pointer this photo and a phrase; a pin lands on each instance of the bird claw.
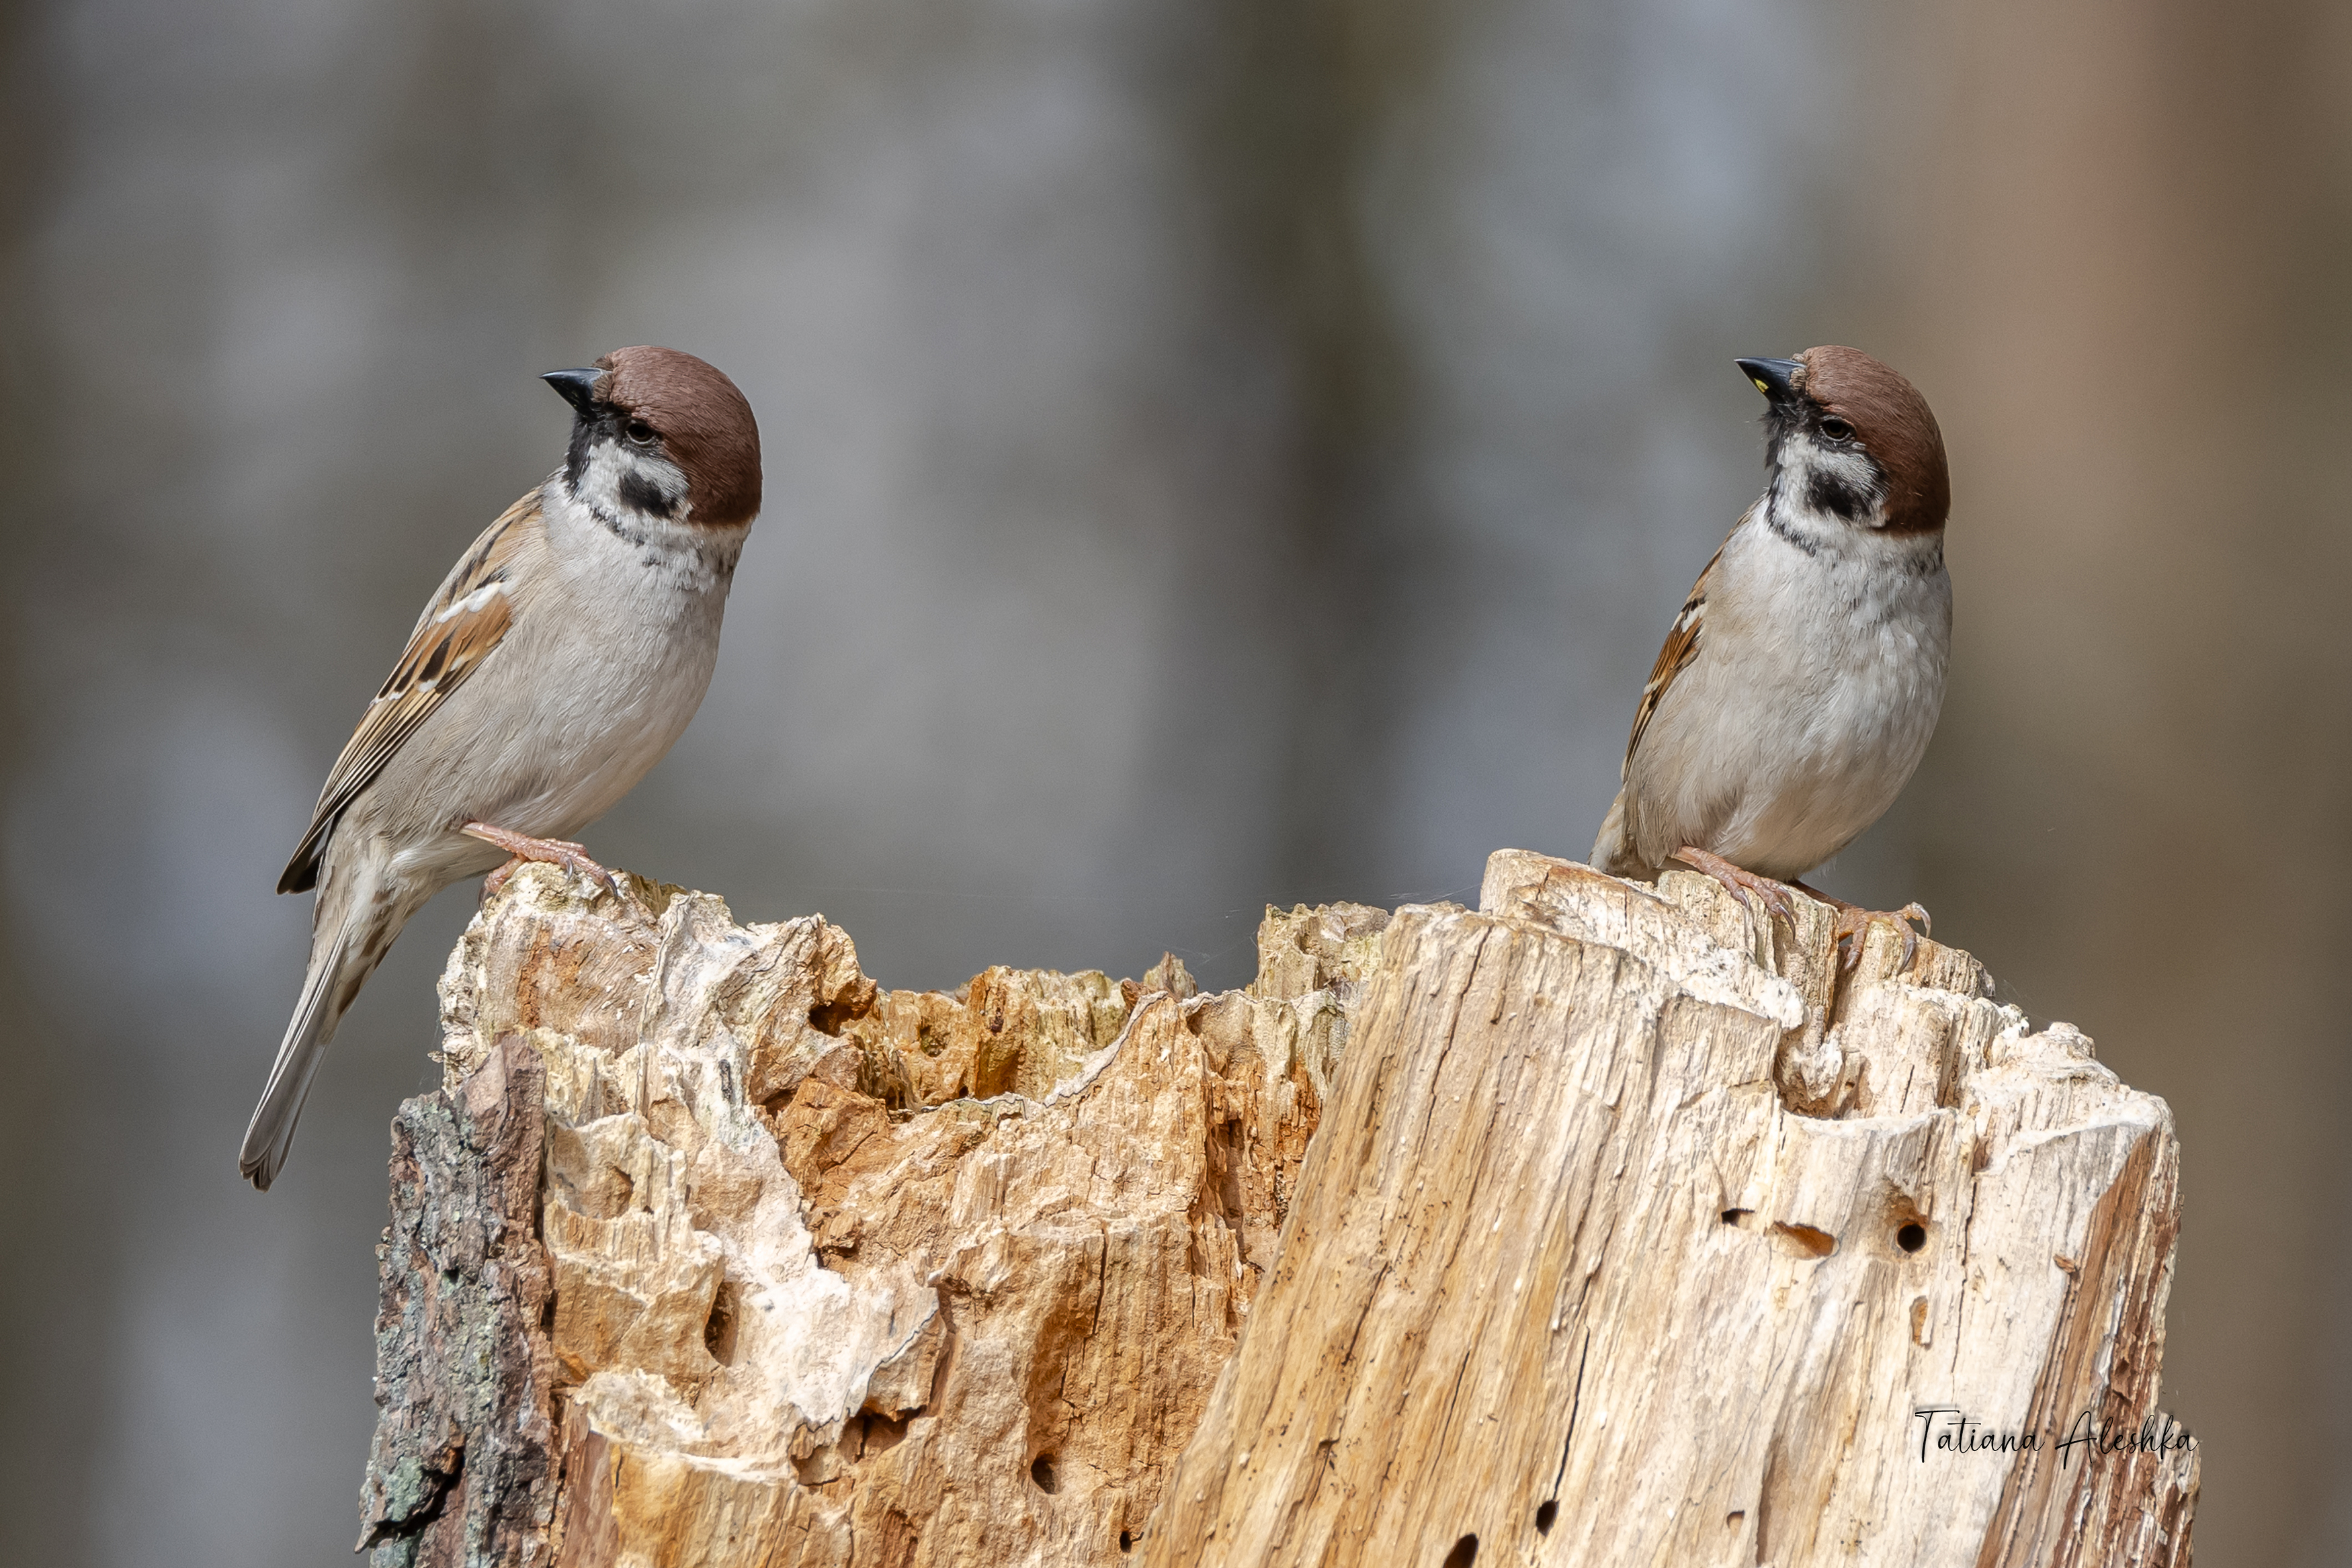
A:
(548, 851)
(1741, 884)
(1853, 921)
(1853, 924)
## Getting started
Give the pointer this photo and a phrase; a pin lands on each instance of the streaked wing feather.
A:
(1681, 647)
(457, 631)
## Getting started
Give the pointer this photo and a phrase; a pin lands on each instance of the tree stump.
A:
(1604, 1224)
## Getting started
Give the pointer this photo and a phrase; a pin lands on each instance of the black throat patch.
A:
(585, 432)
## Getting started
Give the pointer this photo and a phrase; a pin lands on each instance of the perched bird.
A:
(1800, 685)
(560, 659)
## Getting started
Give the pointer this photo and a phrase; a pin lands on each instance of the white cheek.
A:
(611, 462)
(1801, 458)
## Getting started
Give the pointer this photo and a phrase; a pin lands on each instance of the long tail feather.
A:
(362, 909)
(270, 1133)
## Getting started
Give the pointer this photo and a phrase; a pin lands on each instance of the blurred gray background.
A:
(1217, 452)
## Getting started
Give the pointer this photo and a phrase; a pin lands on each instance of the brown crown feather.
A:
(1896, 425)
(703, 422)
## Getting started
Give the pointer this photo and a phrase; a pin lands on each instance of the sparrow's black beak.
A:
(1773, 378)
(579, 387)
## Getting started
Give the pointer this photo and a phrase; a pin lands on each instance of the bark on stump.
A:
(1635, 1230)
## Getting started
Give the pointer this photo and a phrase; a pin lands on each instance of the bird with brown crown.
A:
(1801, 682)
(558, 661)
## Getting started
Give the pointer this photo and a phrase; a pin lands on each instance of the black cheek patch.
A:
(1829, 492)
(640, 493)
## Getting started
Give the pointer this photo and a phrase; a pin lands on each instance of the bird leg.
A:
(548, 851)
(1853, 921)
(1740, 884)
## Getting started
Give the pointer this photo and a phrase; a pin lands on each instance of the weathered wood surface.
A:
(841, 1275)
(1634, 1232)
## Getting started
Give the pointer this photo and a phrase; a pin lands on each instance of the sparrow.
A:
(560, 657)
(1801, 682)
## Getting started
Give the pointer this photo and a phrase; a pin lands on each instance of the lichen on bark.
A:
(460, 1475)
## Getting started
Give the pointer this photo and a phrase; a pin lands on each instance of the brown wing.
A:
(1681, 647)
(465, 621)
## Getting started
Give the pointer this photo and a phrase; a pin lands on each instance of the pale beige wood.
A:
(844, 1275)
(1574, 1278)
(1575, 1225)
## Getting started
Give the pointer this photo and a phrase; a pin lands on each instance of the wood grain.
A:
(1604, 1224)
(1574, 1279)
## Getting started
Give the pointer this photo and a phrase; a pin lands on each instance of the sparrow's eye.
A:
(639, 433)
(1837, 429)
